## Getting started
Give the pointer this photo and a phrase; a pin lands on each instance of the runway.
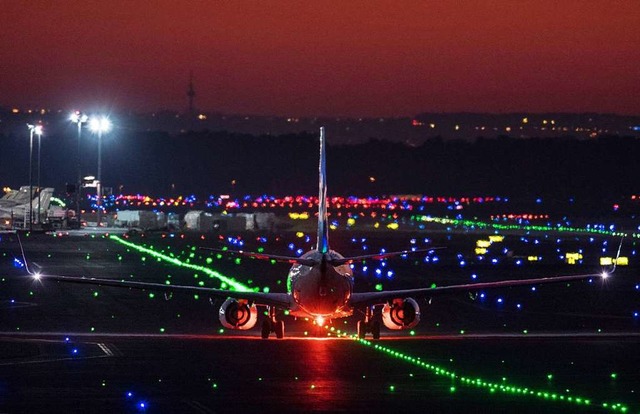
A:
(67, 348)
(208, 373)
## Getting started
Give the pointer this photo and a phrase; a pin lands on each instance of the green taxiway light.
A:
(499, 226)
(232, 284)
(492, 388)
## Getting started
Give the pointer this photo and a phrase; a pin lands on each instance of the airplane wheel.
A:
(362, 329)
(279, 328)
(266, 328)
(375, 329)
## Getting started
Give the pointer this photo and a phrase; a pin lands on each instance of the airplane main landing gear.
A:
(272, 325)
(266, 328)
(368, 324)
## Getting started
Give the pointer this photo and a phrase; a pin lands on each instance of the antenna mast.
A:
(191, 93)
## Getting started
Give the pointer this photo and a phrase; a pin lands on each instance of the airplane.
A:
(320, 286)
(14, 205)
(14, 197)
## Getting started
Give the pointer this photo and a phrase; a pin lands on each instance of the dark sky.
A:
(307, 58)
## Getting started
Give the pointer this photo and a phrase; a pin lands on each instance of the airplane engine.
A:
(401, 314)
(235, 314)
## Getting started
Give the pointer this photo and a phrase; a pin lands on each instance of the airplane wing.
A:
(281, 300)
(263, 256)
(380, 256)
(378, 298)
(312, 262)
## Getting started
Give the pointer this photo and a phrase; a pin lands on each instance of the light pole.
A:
(99, 126)
(33, 129)
(39, 134)
(79, 118)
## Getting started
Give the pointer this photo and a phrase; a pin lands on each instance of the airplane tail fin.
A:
(43, 198)
(323, 222)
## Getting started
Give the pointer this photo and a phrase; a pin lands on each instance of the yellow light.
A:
(481, 250)
(525, 120)
(351, 222)
(606, 261)
(298, 216)
(496, 238)
(392, 226)
(532, 258)
(572, 258)
(483, 243)
(299, 234)
(622, 261)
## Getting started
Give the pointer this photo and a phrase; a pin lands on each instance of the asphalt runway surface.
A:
(71, 348)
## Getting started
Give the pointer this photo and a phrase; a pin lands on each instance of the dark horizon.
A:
(592, 173)
(100, 109)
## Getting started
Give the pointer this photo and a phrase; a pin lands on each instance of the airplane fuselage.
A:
(322, 290)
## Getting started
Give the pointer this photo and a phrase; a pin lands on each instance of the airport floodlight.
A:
(78, 117)
(100, 125)
(35, 129)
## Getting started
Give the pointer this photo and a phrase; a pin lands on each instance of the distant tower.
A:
(191, 93)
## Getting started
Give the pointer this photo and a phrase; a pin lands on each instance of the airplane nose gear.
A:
(272, 324)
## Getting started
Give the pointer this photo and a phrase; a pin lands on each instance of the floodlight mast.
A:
(79, 118)
(99, 125)
(38, 132)
(33, 129)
